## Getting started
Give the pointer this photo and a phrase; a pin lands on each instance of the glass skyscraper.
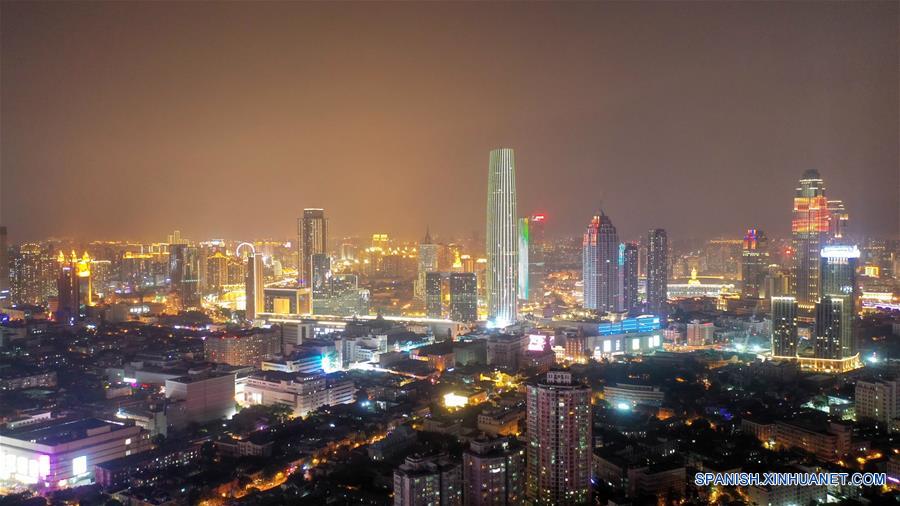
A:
(502, 238)
(658, 274)
(600, 265)
(312, 240)
(809, 232)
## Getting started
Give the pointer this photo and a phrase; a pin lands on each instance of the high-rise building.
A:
(321, 274)
(658, 274)
(754, 263)
(628, 268)
(502, 238)
(432, 481)
(784, 326)
(311, 239)
(493, 473)
(839, 220)
(254, 285)
(184, 273)
(73, 286)
(537, 270)
(559, 447)
(878, 400)
(216, 272)
(809, 232)
(463, 297)
(524, 245)
(837, 305)
(33, 274)
(428, 262)
(600, 265)
(433, 293)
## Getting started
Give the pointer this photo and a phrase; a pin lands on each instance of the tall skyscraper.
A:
(321, 275)
(839, 220)
(433, 306)
(784, 326)
(558, 420)
(493, 473)
(628, 262)
(311, 240)
(754, 263)
(837, 305)
(537, 269)
(524, 245)
(184, 273)
(254, 285)
(502, 238)
(74, 291)
(600, 265)
(658, 274)
(809, 232)
(428, 262)
(463, 297)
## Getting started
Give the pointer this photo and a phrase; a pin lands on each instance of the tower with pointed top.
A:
(428, 262)
(600, 265)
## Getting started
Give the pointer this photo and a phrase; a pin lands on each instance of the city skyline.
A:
(153, 143)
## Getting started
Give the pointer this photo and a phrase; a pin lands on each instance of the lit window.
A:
(128, 441)
(79, 465)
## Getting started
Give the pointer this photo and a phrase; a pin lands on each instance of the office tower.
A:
(524, 241)
(428, 262)
(493, 473)
(311, 239)
(754, 263)
(834, 331)
(254, 285)
(73, 286)
(658, 274)
(839, 220)
(600, 261)
(463, 297)
(836, 307)
(628, 268)
(558, 421)
(784, 326)
(809, 232)
(4, 268)
(184, 273)
(434, 481)
(537, 269)
(433, 281)
(216, 272)
(502, 239)
(321, 275)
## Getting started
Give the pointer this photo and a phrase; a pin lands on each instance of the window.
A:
(79, 465)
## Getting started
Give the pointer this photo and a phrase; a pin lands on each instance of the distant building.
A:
(700, 334)
(828, 441)
(754, 263)
(254, 285)
(537, 269)
(493, 473)
(433, 299)
(809, 232)
(628, 260)
(428, 262)
(505, 351)
(600, 265)
(627, 396)
(303, 393)
(658, 274)
(463, 297)
(435, 481)
(524, 263)
(206, 397)
(311, 240)
(559, 445)
(246, 347)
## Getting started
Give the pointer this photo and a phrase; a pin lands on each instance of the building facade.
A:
(502, 239)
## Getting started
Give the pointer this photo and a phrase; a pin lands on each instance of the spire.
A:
(427, 239)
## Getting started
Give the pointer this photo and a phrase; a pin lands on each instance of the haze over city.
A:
(225, 120)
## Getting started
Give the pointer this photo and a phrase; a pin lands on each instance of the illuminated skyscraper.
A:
(600, 265)
(433, 306)
(4, 268)
(809, 232)
(311, 240)
(836, 307)
(628, 262)
(73, 286)
(658, 274)
(754, 263)
(784, 326)
(184, 273)
(837, 227)
(537, 270)
(428, 262)
(493, 473)
(558, 435)
(254, 286)
(463, 297)
(502, 238)
(524, 245)
(321, 275)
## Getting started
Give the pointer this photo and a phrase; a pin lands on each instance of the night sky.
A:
(128, 120)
